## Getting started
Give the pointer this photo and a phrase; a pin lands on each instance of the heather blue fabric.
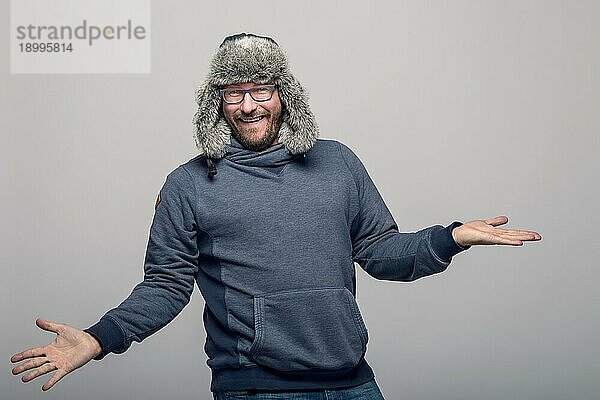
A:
(271, 242)
(366, 391)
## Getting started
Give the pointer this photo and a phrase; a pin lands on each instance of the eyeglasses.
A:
(258, 93)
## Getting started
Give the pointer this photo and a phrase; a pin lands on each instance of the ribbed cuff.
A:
(108, 334)
(443, 243)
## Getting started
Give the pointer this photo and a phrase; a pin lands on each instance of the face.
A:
(254, 124)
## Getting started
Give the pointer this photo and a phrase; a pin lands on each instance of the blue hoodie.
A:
(271, 242)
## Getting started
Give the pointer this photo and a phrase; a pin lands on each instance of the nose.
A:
(248, 104)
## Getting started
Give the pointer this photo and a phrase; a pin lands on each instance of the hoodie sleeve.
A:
(380, 249)
(170, 267)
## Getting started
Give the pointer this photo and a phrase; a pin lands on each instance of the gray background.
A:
(460, 110)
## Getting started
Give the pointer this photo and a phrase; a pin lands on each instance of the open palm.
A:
(71, 349)
(486, 232)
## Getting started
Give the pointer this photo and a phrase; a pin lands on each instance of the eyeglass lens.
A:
(258, 93)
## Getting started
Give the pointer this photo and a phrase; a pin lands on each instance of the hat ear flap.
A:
(211, 131)
(297, 114)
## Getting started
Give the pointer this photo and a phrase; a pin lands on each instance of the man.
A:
(268, 222)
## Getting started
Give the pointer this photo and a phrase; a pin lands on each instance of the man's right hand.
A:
(72, 348)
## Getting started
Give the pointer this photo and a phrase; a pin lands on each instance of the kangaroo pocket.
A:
(314, 329)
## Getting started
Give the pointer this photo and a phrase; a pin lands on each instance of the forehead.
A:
(246, 85)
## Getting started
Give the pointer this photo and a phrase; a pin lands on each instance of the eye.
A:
(232, 93)
(261, 90)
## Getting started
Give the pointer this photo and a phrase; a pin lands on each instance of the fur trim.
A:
(249, 58)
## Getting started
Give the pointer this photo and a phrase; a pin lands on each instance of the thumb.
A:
(499, 220)
(48, 325)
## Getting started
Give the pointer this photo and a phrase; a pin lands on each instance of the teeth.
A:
(252, 120)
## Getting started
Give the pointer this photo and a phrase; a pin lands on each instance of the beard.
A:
(251, 138)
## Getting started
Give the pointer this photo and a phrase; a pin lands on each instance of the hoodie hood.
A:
(272, 157)
(247, 58)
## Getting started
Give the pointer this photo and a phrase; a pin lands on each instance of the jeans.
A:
(366, 391)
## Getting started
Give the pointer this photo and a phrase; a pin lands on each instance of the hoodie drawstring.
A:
(212, 169)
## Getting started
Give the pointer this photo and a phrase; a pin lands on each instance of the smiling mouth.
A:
(251, 120)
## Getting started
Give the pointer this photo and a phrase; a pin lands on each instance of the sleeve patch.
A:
(157, 201)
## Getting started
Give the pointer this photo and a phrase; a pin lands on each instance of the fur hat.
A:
(246, 58)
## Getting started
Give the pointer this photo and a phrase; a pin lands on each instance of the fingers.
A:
(48, 325)
(501, 239)
(517, 232)
(29, 353)
(514, 233)
(36, 362)
(37, 351)
(516, 238)
(520, 234)
(58, 375)
(499, 220)
(526, 235)
(44, 369)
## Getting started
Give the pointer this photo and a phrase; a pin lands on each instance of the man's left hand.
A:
(485, 232)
